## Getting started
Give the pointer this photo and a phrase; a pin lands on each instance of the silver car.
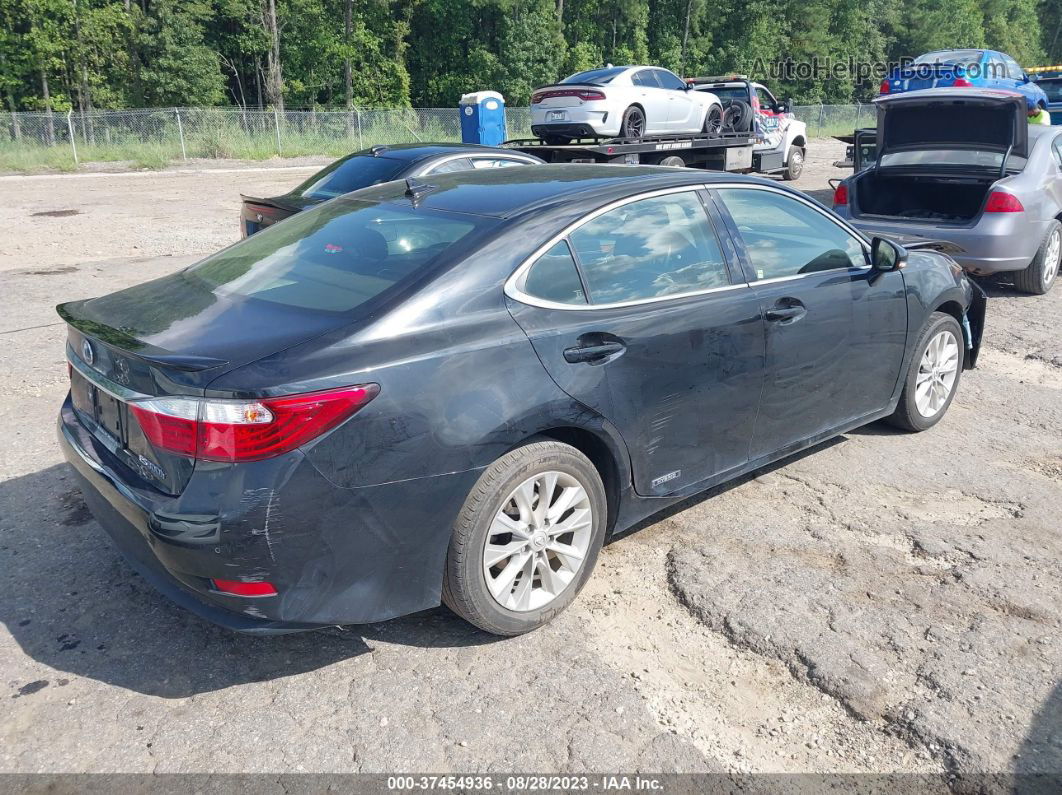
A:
(964, 166)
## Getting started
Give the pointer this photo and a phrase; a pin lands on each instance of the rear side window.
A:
(645, 79)
(337, 256)
(785, 237)
(457, 164)
(651, 248)
(352, 173)
(555, 278)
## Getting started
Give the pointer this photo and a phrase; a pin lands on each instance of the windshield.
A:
(595, 77)
(952, 158)
(727, 93)
(1053, 88)
(965, 58)
(337, 256)
(350, 173)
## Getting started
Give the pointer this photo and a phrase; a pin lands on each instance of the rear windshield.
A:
(595, 77)
(727, 93)
(1052, 87)
(350, 173)
(951, 58)
(337, 256)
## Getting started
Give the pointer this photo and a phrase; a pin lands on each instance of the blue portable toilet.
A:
(483, 118)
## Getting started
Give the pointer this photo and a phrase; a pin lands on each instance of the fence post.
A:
(180, 133)
(361, 143)
(276, 126)
(70, 129)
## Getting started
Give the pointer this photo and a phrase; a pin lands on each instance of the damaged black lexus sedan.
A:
(457, 391)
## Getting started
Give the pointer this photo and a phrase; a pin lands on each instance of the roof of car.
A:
(508, 192)
(419, 151)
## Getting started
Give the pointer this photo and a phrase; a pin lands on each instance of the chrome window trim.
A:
(514, 284)
(102, 382)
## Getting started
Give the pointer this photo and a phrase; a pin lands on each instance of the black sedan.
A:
(371, 167)
(457, 389)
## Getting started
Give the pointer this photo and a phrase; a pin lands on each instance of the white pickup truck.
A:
(782, 139)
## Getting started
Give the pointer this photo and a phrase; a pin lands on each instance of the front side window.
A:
(555, 278)
(785, 237)
(669, 80)
(651, 248)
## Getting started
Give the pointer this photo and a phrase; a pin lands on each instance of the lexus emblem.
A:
(87, 353)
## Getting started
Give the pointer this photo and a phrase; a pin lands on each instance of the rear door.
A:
(834, 340)
(653, 99)
(635, 313)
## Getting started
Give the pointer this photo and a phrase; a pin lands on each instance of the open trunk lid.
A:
(956, 119)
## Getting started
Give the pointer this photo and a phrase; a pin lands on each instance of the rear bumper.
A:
(577, 122)
(336, 555)
(992, 246)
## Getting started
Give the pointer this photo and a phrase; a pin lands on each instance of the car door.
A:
(653, 99)
(683, 114)
(635, 313)
(836, 331)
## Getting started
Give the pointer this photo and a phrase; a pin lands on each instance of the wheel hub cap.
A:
(1054, 250)
(538, 541)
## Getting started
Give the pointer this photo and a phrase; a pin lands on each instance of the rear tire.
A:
(503, 520)
(1041, 273)
(633, 124)
(794, 165)
(933, 376)
(673, 160)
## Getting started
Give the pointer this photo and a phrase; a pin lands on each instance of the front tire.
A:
(794, 165)
(933, 375)
(1041, 273)
(526, 539)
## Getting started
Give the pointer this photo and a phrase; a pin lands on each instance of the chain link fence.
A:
(154, 137)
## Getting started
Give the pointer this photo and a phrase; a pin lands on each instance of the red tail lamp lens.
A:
(962, 82)
(884, 88)
(233, 430)
(237, 588)
(1000, 202)
(840, 195)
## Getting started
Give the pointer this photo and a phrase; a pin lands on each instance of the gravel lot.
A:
(886, 602)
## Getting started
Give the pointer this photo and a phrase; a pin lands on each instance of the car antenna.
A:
(378, 150)
(415, 189)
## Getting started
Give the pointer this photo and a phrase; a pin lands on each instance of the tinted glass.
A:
(1053, 88)
(785, 237)
(352, 173)
(648, 249)
(595, 77)
(496, 162)
(554, 277)
(457, 164)
(951, 57)
(669, 80)
(645, 78)
(726, 93)
(335, 257)
(1013, 70)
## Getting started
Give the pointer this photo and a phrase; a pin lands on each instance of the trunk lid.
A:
(564, 95)
(957, 119)
(917, 77)
(256, 213)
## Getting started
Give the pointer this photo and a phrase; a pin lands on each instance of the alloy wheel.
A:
(634, 124)
(1051, 258)
(538, 541)
(937, 373)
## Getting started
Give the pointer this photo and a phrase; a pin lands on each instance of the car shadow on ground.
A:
(1038, 762)
(72, 604)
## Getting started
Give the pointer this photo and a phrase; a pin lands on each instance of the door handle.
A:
(783, 314)
(593, 353)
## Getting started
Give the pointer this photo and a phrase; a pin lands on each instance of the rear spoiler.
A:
(269, 203)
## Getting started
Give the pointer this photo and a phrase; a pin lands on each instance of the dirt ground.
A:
(886, 602)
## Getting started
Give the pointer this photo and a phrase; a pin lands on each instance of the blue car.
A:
(963, 69)
(1049, 78)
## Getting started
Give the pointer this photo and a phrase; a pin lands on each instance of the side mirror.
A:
(1025, 78)
(886, 256)
(782, 107)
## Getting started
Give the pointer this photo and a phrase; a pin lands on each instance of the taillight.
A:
(240, 588)
(1000, 202)
(884, 88)
(246, 430)
(585, 94)
(755, 104)
(840, 195)
(962, 82)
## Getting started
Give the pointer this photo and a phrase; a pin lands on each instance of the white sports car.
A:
(622, 101)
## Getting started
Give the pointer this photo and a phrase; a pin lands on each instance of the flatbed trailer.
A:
(728, 151)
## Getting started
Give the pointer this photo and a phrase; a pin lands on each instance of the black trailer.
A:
(727, 151)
